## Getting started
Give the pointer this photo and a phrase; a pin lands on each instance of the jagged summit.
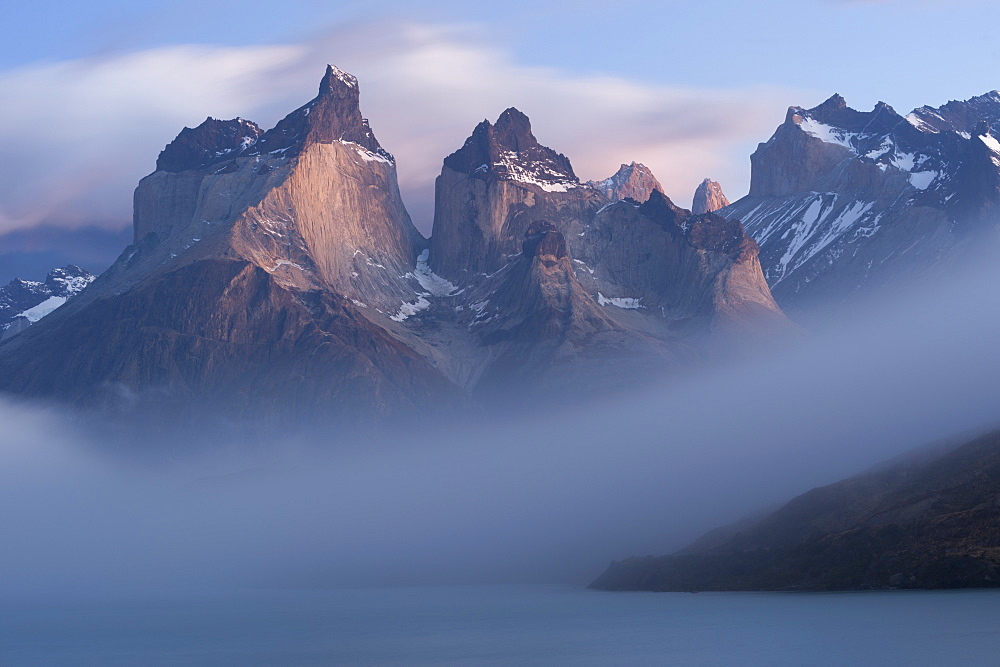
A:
(958, 115)
(314, 200)
(333, 115)
(504, 171)
(708, 197)
(507, 150)
(207, 143)
(835, 101)
(633, 180)
(334, 79)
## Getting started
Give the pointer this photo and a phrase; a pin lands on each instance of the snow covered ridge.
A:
(69, 281)
(886, 154)
(799, 229)
(341, 75)
(27, 301)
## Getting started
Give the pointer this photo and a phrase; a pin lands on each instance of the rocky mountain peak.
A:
(69, 280)
(835, 101)
(209, 142)
(632, 181)
(507, 150)
(336, 79)
(333, 115)
(836, 192)
(958, 116)
(512, 131)
(664, 212)
(708, 197)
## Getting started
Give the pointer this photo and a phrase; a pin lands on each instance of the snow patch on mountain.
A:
(44, 308)
(532, 172)
(624, 302)
(827, 133)
(990, 142)
(410, 309)
(921, 180)
(434, 284)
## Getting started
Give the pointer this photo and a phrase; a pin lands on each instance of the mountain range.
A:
(275, 275)
(845, 202)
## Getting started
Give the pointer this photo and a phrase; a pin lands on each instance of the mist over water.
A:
(545, 496)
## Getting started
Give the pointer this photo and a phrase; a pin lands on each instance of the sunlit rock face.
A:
(843, 202)
(631, 181)
(313, 201)
(277, 272)
(258, 257)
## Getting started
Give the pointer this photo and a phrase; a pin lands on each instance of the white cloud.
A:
(83, 132)
(75, 136)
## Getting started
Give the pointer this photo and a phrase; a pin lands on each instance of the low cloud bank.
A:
(545, 497)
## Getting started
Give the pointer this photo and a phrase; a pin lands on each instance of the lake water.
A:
(505, 625)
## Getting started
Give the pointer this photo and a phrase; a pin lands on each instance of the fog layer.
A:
(549, 496)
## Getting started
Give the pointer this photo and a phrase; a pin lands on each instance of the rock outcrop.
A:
(708, 198)
(633, 181)
(928, 521)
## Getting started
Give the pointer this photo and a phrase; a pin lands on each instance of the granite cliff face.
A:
(257, 258)
(844, 201)
(928, 521)
(314, 201)
(277, 271)
(708, 197)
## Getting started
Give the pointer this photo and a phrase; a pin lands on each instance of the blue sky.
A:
(90, 92)
(915, 52)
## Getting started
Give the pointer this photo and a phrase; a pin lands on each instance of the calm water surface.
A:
(505, 625)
